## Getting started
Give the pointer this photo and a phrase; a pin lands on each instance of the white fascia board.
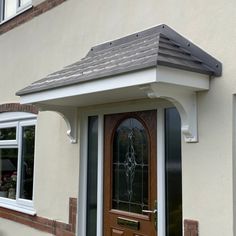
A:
(95, 86)
(192, 80)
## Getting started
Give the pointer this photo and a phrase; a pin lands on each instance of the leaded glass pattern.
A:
(130, 167)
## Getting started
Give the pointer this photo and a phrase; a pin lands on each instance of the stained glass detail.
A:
(130, 167)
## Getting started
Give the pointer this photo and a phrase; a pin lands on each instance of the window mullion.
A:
(2, 10)
(19, 138)
(17, 5)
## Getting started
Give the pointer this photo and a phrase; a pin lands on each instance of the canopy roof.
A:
(156, 46)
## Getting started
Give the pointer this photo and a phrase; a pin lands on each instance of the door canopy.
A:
(155, 63)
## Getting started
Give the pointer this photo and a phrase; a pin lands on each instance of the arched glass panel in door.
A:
(130, 167)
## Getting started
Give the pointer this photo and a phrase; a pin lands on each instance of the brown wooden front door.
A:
(130, 174)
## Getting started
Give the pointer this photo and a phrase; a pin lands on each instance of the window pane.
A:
(8, 133)
(130, 167)
(173, 172)
(8, 172)
(92, 176)
(10, 8)
(27, 162)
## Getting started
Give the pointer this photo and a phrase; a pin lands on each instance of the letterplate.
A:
(132, 224)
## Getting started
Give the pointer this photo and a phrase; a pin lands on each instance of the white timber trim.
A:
(93, 86)
(185, 101)
(177, 86)
(69, 114)
(187, 79)
(82, 199)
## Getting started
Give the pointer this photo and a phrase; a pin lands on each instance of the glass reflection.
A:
(27, 164)
(91, 229)
(8, 172)
(173, 173)
(8, 133)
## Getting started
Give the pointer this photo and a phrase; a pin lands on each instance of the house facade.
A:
(117, 118)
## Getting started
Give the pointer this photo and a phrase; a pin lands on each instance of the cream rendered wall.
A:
(36, 2)
(56, 173)
(7, 229)
(65, 34)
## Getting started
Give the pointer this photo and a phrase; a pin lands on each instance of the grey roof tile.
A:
(156, 46)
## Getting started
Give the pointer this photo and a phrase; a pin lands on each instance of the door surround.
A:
(100, 111)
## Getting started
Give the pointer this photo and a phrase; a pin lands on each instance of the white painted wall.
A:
(65, 34)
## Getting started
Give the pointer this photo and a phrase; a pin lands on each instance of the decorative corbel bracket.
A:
(184, 100)
(69, 114)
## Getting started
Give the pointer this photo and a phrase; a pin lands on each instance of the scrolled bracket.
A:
(184, 100)
(69, 114)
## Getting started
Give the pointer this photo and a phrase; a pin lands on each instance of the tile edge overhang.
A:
(177, 44)
(118, 82)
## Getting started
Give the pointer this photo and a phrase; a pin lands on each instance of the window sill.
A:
(18, 13)
(23, 209)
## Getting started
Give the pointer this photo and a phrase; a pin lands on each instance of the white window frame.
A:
(18, 120)
(19, 9)
(9, 125)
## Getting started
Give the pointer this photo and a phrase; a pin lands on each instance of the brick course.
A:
(29, 14)
(17, 107)
(43, 224)
(190, 228)
(63, 229)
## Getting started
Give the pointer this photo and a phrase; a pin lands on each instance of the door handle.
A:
(154, 212)
(150, 211)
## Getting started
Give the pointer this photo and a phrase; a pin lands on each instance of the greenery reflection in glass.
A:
(8, 172)
(8, 133)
